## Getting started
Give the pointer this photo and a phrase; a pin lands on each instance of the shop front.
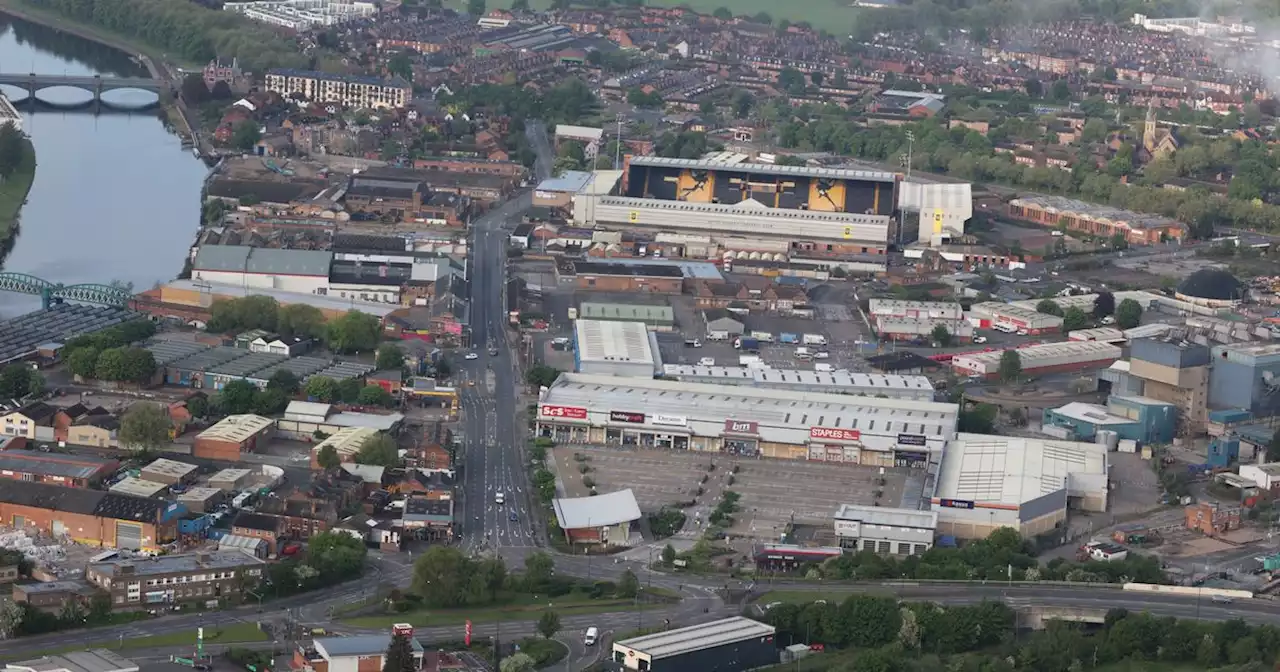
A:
(741, 437)
(912, 451)
(835, 444)
(563, 424)
(638, 430)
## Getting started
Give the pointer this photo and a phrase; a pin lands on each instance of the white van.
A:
(592, 635)
(827, 368)
(1005, 327)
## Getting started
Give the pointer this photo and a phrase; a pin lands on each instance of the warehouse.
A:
(169, 472)
(746, 421)
(657, 318)
(884, 530)
(201, 500)
(303, 419)
(346, 442)
(1132, 418)
(917, 388)
(138, 487)
(90, 517)
(1041, 359)
(941, 311)
(232, 437)
(913, 328)
(300, 271)
(727, 645)
(988, 482)
(600, 519)
(56, 468)
(994, 315)
(230, 479)
(613, 348)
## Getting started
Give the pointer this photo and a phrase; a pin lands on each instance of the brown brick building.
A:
(602, 276)
(56, 468)
(53, 596)
(167, 579)
(233, 436)
(90, 517)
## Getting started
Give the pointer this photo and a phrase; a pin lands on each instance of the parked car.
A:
(979, 339)
(471, 355)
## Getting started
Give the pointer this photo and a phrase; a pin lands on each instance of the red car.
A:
(291, 548)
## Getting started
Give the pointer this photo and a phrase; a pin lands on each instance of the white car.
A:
(821, 355)
(499, 498)
(471, 355)
(979, 339)
(707, 361)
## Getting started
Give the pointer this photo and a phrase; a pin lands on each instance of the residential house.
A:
(34, 421)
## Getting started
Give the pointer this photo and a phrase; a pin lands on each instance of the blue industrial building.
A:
(1246, 377)
(1137, 418)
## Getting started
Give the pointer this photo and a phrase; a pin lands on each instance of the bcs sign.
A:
(741, 427)
(570, 412)
(834, 434)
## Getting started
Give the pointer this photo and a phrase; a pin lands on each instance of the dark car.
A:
(513, 517)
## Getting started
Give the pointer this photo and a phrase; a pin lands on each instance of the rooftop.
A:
(396, 82)
(568, 181)
(1084, 351)
(360, 645)
(847, 381)
(170, 468)
(53, 464)
(79, 500)
(766, 169)
(608, 509)
(236, 428)
(1093, 414)
(1014, 470)
(347, 441)
(265, 260)
(879, 515)
(613, 341)
(96, 660)
(1090, 211)
(177, 563)
(138, 487)
(697, 637)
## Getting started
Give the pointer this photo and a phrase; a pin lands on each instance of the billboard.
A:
(570, 412)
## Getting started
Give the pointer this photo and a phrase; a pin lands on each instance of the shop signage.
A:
(834, 434)
(741, 427)
(626, 416)
(911, 440)
(663, 419)
(956, 503)
(570, 412)
(910, 458)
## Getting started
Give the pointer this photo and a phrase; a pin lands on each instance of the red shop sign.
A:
(834, 434)
(570, 412)
(741, 427)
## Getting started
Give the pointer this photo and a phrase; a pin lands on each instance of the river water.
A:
(116, 197)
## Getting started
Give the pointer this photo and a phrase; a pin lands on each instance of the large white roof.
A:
(613, 508)
(613, 341)
(1014, 470)
(847, 382)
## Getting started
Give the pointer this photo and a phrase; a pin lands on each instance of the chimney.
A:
(203, 558)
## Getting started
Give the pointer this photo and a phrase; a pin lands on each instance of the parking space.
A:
(774, 492)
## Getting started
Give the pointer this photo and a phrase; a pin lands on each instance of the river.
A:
(115, 197)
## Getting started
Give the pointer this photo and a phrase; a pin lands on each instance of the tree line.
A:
(111, 354)
(193, 32)
(353, 331)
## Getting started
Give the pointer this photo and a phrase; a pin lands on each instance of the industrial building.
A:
(600, 519)
(300, 271)
(1134, 418)
(916, 388)
(939, 210)
(77, 471)
(169, 472)
(613, 348)
(1096, 220)
(302, 419)
(908, 320)
(1040, 359)
(232, 437)
(346, 442)
(1168, 369)
(1246, 377)
(884, 530)
(171, 579)
(749, 421)
(138, 487)
(988, 482)
(96, 660)
(657, 318)
(988, 315)
(728, 645)
(90, 517)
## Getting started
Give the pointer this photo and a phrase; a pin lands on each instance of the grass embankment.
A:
(13, 194)
(523, 608)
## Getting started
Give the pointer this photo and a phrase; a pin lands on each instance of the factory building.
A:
(299, 271)
(909, 320)
(748, 421)
(988, 482)
(730, 645)
(1166, 368)
(233, 436)
(1134, 418)
(615, 348)
(1246, 377)
(884, 530)
(917, 388)
(995, 315)
(1040, 359)
(90, 517)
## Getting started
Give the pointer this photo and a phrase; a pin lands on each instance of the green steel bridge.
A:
(53, 292)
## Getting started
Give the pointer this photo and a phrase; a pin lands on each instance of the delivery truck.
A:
(762, 336)
(815, 339)
(789, 338)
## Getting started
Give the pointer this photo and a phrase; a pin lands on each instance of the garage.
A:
(128, 535)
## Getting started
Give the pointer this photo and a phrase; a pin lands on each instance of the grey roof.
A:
(879, 515)
(626, 311)
(96, 660)
(569, 180)
(244, 366)
(766, 169)
(168, 351)
(610, 509)
(52, 464)
(300, 367)
(245, 259)
(362, 645)
(698, 637)
(174, 564)
(22, 335)
(343, 370)
(208, 359)
(56, 587)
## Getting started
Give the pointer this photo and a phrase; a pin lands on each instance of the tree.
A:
(138, 365)
(198, 406)
(519, 662)
(321, 388)
(246, 135)
(542, 375)
(379, 450)
(237, 397)
(15, 381)
(374, 395)
(328, 457)
(401, 66)
(37, 385)
(1104, 305)
(399, 656)
(440, 577)
(668, 554)
(549, 624)
(221, 90)
(1074, 318)
(538, 570)
(1060, 91)
(1033, 88)
(722, 13)
(390, 356)
(1128, 314)
(11, 614)
(475, 7)
(145, 426)
(298, 320)
(83, 362)
(270, 402)
(353, 332)
(1010, 366)
(285, 381)
(941, 336)
(1049, 307)
(110, 365)
(628, 584)
(763, 17)
(520, 5)
(194, 90)
(492, 572)
(1273, 448)
(348, 390)
(792, 81)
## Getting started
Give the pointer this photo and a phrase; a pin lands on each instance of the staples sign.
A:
(570, 412)
(834, 434)
(741, 427)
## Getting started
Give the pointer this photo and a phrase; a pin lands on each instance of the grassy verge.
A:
(36, 14)
(526, 610)
(545, 652)
(13, 193)
(234, 633)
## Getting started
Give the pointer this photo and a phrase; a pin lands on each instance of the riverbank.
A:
(154, 60)
(13, 195)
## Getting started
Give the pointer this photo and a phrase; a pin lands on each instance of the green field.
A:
(13, 192)
(521, 610)
(833, 16)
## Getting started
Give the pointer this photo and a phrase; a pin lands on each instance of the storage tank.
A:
(1108, 438)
